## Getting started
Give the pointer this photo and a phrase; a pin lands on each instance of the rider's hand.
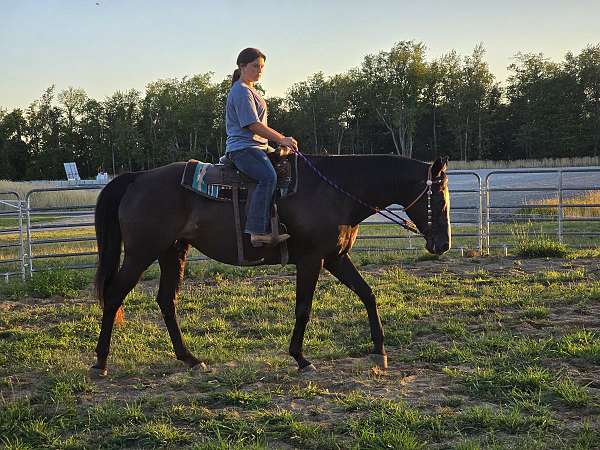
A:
(289, 142)
(284, 151)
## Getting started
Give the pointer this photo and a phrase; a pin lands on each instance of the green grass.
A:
(530, 243)
(483, 352)
(48, 283)
(541, 248)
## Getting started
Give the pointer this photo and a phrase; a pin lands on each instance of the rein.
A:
(385, 212)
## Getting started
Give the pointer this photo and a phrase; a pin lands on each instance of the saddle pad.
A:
(197, 176)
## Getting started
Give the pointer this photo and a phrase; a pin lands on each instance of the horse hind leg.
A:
(123, 282)
(172, 265)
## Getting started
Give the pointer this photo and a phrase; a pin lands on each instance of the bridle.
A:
(428, 184)
(385, 212)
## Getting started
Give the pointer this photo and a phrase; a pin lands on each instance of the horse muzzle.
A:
(437, 246)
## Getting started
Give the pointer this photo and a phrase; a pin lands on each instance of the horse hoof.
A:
(308, 369)
(200, 368)
(98, 372)
(379, 360)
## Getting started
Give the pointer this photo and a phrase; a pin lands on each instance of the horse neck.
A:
(377, 180)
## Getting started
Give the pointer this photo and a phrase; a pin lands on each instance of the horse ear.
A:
(439, 165)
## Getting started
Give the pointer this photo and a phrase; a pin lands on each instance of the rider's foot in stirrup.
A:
(267, 239)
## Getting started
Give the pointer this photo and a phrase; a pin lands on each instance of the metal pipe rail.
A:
(15, 210)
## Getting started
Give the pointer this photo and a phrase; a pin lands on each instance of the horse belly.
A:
(211, 230)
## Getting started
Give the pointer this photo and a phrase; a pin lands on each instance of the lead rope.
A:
(404, 223)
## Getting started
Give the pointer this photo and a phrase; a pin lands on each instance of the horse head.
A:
(431, 213)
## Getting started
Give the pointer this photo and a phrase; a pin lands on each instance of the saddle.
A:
(223, 182)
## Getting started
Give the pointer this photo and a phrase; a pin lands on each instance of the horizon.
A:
(81, 43)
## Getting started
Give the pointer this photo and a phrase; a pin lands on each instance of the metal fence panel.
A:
(514, 200)
(76, 217)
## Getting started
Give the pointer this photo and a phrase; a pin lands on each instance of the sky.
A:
(107, 45)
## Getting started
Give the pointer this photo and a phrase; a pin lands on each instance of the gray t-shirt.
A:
(244, 107)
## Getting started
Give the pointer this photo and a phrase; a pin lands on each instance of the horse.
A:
(153, 217)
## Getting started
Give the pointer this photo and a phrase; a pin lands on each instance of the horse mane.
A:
(344, 169)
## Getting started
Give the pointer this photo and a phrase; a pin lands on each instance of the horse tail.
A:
(108, 235)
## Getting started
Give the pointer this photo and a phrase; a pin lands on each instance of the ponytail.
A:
(235, 76)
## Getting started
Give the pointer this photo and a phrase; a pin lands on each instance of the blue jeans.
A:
(256, 164)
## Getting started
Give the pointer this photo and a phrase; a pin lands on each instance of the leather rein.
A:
(385, 212)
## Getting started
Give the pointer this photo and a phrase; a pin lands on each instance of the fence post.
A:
(487, 213)
(560, 206)
(15, 207)
(22, 245)
(480, 219)
(29, 248)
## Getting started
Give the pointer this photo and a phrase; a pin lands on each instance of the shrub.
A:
(542, 247)
(66, 283)
(532, 244)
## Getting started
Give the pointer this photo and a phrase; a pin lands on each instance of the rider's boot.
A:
(269, 240)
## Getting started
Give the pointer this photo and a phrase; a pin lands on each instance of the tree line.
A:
(396, 101)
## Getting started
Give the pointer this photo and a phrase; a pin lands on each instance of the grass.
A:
(532, 244)
(479, 358)
(57, 282)
(585, 161)
(50, 199)
(582, 201)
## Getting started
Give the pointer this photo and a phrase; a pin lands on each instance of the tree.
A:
(586, 69)
(93, 152)
(44, 134)
(545, 107)
(14, 155)
(433, 96)
(395, 84)
(478, 83)
(305, 104)
(72, 101)
(121, 115)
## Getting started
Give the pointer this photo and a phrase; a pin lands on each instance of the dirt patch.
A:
(471, 267)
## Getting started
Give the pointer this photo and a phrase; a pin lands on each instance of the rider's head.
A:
(250, 62)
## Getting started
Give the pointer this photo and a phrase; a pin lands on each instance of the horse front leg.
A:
(344, 270)
(307, 274)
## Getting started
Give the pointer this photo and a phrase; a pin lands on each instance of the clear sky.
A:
(108, 45)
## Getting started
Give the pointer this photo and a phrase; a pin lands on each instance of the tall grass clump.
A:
(584, 161)
(532, 244)
(63, 198)
(549, 206)
(62, 282)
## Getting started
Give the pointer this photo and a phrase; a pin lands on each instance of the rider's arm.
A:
(266, 132)
(272, 135)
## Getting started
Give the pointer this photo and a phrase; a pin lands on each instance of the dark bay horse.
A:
(154, 218)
